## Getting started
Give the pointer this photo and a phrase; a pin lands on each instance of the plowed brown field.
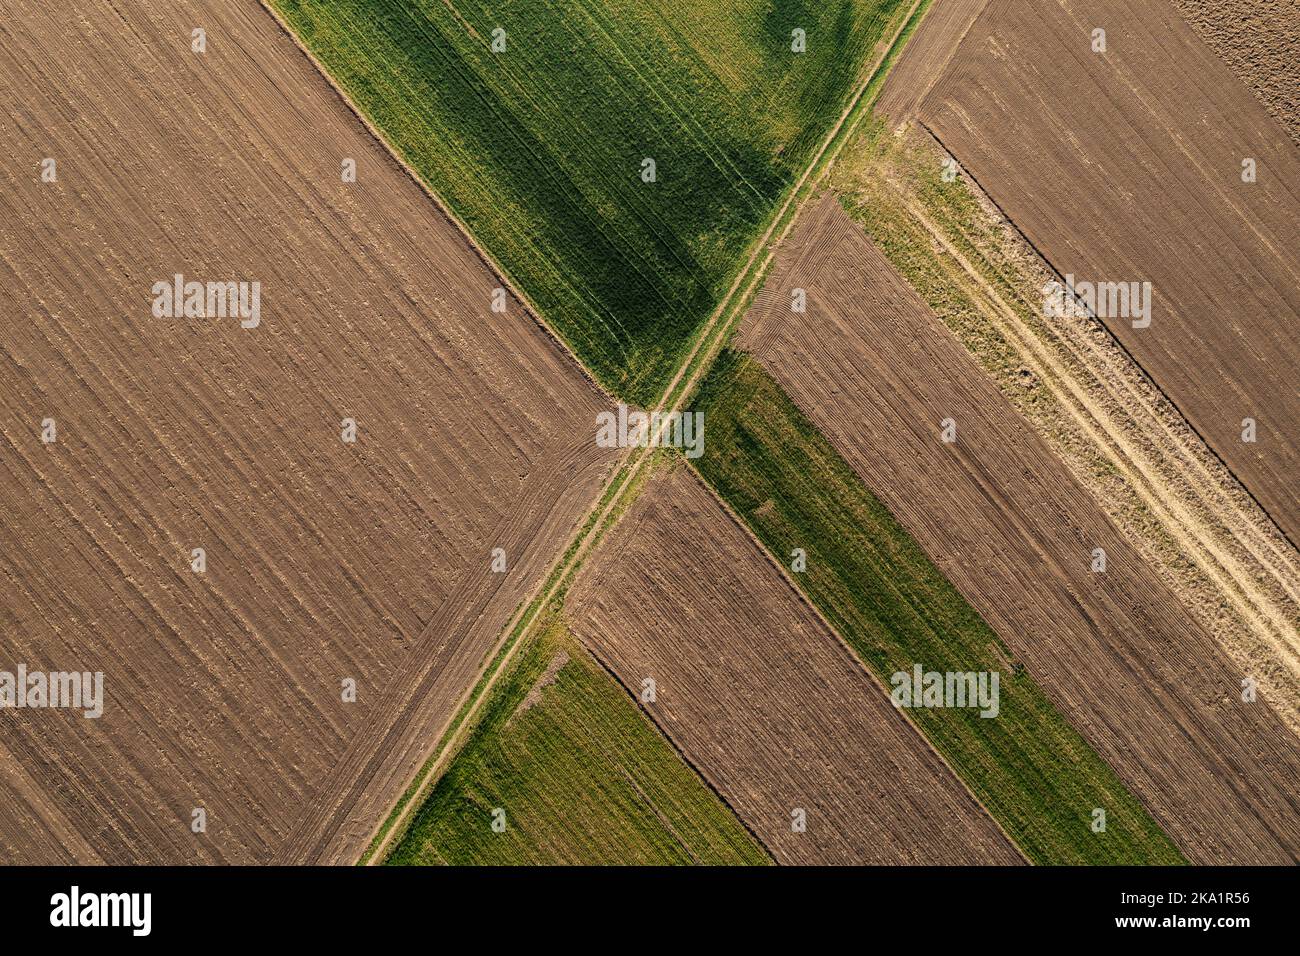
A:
(325, 560)
(876, 371)
(926, 56)
(762, 697)
(1126, 166)
(1260, 42)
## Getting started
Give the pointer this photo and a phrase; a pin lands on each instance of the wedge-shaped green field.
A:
(539, 147)
(1034, 773)
(581, 775)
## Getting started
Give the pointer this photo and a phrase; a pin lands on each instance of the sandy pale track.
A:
(1126, 166)
(1002, 517)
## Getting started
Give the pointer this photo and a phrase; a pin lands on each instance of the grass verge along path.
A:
(614, 159)
(705, 347)
(1032, 771)
(573, 773)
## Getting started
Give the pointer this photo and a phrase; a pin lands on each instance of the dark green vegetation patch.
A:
(539, 148)
(1034, 773)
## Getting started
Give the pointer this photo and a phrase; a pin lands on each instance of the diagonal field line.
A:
(693, 368)
(600, 517)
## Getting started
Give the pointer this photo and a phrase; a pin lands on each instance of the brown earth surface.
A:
(1126, 166)
(926, 57)
(877, 372)
(325, 560)
(762, 698)
(1260, 42)
(1153, 476)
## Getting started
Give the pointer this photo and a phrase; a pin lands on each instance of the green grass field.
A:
(539, 149)
(582, 775)
(1035, 774)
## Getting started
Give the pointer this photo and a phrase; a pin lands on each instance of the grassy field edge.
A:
(708, 343)
(1034, 773)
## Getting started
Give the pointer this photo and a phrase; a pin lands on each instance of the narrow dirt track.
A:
(325, 560)
(1249, 573)
(1126, 166)
(876, 371)
(694, 366)
(763, 698)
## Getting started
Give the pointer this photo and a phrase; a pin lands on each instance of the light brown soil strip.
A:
(762, 698)
(325, 560)
(1126, 166)
(877, 372)
(1180, 506)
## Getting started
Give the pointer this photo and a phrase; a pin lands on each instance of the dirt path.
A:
(326, 560)
(696, 364)
(1126, 165)
(1254, 569)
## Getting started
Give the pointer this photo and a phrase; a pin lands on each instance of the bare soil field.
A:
(926, 56)
(1260, 42)
(1099, 412)
(1127, 166)
(325, 560)
(877, 372)
(762, 698)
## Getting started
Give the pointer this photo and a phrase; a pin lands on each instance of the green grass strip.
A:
(582, 776)
(538, 148)
(1033, 772)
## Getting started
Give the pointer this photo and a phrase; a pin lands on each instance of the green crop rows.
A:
(539, 148)
(532, 120)
(1034, 773)
(581, 775)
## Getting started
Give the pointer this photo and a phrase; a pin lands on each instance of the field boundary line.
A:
(1154, 384)
(498, 660)
(1094, 423)
(700, 357)
(856, 659)
(395, 155)
(1237, 585)
(681, 754)
(764, 241)
(938, 73)
(1205, 540)
(706, 344)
